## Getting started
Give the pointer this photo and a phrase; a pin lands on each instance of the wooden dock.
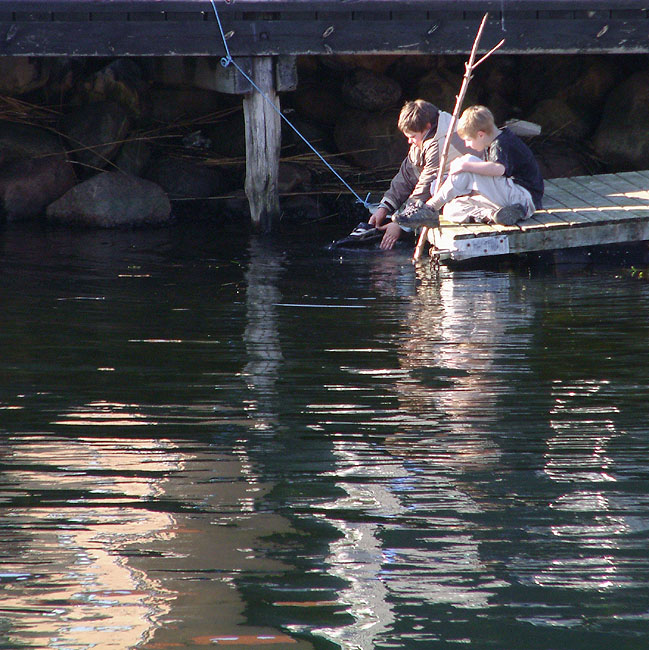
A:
(580, 211)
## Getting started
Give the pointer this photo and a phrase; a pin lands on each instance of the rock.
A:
(180, 104)
(110, 200)
(27, 186)
(320, 137)
(305, 208)
(95, 132)
(371, 141)
(228, 136)
(496, 85)
(441, 86)
(563, 159)
(376, 63)
(557, 119)
(184, 179)
(23, 74)
(121, 81)
(589, 92)
(544, 77)
(293, 177)
(34, 170)
(26, 141)
(409, 70)
(369, 90)
(318, 102)
(622, 137)
(133, 157)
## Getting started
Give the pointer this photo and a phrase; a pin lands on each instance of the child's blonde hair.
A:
(415, 116)
(475, 118)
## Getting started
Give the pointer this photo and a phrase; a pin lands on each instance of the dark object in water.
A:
(363, 235)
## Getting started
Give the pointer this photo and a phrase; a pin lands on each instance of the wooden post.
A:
(263, 139)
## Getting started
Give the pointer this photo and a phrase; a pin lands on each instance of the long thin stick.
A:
(469, 67)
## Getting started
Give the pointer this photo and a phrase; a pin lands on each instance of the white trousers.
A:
(473, 197)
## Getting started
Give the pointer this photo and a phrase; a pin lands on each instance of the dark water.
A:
(213, 441)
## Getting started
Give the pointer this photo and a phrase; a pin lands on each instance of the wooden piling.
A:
(263, 140)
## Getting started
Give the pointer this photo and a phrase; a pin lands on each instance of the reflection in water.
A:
(577, 455)
(72, 587)
(349, 457)
(261, 334)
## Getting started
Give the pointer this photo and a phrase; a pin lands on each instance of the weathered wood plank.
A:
(598, 207)
(111, 32)
(636, 178)
(608, 208)
(572, 215)
(556, 239)
(615, 188)
(542, 219)
(566, 200)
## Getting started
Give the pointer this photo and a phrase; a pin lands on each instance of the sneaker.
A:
(510, 214)
(415, 214)
(362, 235)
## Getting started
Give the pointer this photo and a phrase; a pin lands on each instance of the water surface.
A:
(214, 440)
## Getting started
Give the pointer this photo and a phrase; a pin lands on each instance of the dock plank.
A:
(600, 207)
(617, 190)
(572, 212)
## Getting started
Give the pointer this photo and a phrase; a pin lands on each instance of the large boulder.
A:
(228, 136)
(318, 102)
(371, 141)
(95, 132)
(193, 185)
(179, 104)
(369, 90)
(560, 158)
(110, 200)
(557, 118)
(441, 86)
(27, 186)
(622, 137)
(589, 91)
(543, 77)
(22, 74)
(34, 170)
(26, 141)
(121, 81)
(133, 157)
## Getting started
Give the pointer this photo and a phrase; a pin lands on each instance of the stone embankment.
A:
(134, 142)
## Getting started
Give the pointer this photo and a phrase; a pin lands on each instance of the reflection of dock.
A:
(579, 211)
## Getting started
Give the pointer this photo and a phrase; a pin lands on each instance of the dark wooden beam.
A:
(284, 27)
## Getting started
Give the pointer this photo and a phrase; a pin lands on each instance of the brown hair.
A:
(417, 115)
(475, 118)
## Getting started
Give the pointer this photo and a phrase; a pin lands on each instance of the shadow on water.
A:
(213, 440)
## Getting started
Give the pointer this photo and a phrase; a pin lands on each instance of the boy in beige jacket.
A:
(425, 127)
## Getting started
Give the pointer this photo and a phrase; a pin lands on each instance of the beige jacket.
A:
(419, 169)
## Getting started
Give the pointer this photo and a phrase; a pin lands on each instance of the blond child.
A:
(504, 187)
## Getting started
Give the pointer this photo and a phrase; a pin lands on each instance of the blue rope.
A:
(227, 60)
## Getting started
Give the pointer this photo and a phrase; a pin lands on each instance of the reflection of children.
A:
(425, 126)
(504, 188)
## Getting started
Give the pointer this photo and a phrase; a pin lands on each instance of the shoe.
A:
(416, 214)
(510, 214)
(362, 235)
